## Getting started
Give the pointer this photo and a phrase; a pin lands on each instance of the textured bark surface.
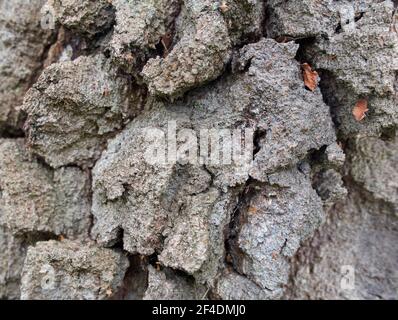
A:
(87, 212)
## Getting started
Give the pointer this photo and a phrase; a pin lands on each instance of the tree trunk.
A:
(198, 149)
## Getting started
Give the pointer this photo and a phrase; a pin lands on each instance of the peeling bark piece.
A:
(69, 270)
(84, 16)
(128, 188)
(187, 246)
(171, 207)
(153, 208)
(12, 256)
(289, 211)
(35, 199)
(199, 57)
(364, 58)
(140, 26)
(310, 18)
(244, 19)
(22, 45)
(300, 19)
(194, 239)
(75, 107)
(165, 285)
(289, 120)
(293, 120)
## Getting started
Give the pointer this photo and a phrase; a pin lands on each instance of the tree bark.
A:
(198, 149)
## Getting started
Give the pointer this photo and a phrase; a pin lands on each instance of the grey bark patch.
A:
(22, 47)
(169, 286)
(36, 199)
(12, 256)
(352, 257)
(75, 107)
(69, 270)
(85, 17)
